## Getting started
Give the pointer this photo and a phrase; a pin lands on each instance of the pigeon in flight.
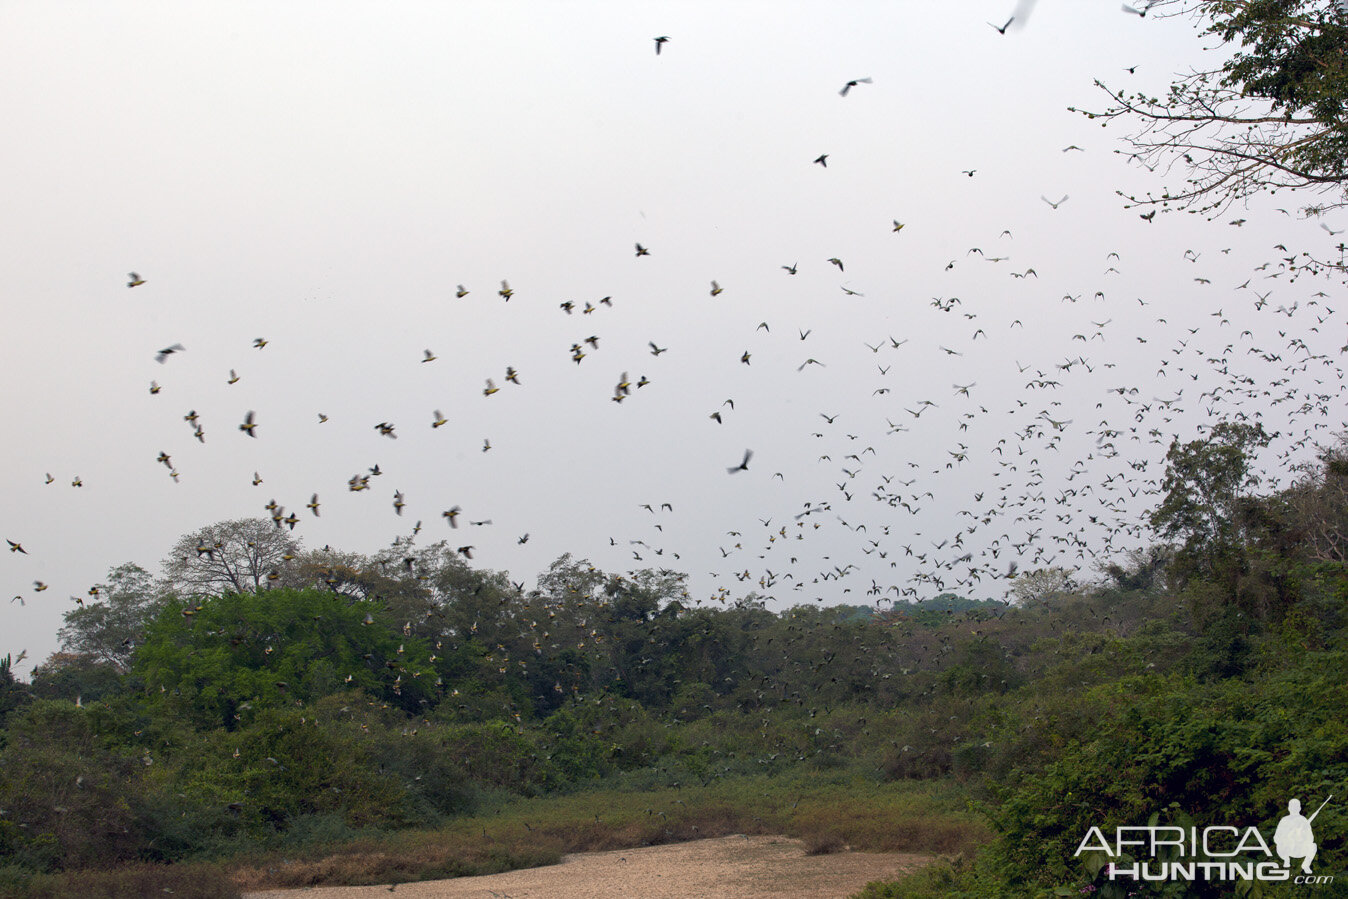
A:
(162, 356)
(744, 465)
(851, 84)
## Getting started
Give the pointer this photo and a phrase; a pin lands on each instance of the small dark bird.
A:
(162, 356)
(744, 465)
(16, 547)
(642, 251)
(790, 269)
(135, 280)
(851, 84)
(1002, 30)
(822, 160)
(660, 42)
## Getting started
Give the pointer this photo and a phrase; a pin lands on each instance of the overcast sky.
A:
(323, 176)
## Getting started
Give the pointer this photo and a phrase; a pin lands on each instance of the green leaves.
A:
(223, 658)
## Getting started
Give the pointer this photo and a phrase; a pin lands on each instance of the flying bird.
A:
(162, 356)
(16, 547)
(1002, 30)
(851, 84)
(1053, 204)
(1146, 7)
(134, 280)
(744, 464)
(660, 42)
(248, 424)
(642, 251)
(822, 159)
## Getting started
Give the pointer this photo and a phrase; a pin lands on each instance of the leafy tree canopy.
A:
(225, 656)
(1272, 115)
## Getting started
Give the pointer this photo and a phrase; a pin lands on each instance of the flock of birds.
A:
(1058, 472)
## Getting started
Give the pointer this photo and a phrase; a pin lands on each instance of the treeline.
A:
(259, 693)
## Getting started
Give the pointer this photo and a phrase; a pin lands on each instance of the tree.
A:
(228, 654)
(1318, 506)
(109, 629)
(230, 557)
(1033, 587)
(1272, 116)
(14, 693)
(1205, 483)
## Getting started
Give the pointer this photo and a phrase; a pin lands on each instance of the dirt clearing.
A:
(734, 867)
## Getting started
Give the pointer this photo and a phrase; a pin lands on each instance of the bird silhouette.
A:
(744, 464)
(162, 356)
(851, 84)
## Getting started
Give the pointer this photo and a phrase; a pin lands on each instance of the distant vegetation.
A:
(352, 701)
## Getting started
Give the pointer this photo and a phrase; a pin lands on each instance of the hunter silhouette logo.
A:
(1158, 853)
(1294, 837)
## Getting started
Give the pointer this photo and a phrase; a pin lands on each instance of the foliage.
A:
(107, 630)
(226, 657)
(407, 690)
(1272, 115)
(229, 556)
(1204, 485)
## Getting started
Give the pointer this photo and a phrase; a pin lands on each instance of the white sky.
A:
(323, 176)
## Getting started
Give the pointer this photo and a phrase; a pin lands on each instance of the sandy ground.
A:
(735, 867)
